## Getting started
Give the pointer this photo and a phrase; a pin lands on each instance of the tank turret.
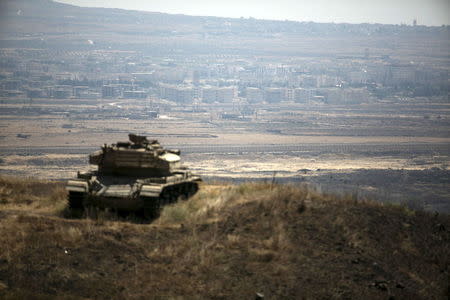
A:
(138, 157)
(135, 175)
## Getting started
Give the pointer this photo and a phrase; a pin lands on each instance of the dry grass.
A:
(285, 241)
(32, 194)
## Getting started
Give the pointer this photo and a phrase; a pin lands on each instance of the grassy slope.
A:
(226, 242)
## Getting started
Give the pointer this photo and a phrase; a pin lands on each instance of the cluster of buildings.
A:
(99, 74)
(194, 93)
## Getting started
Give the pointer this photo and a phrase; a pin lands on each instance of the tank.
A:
(134, 176)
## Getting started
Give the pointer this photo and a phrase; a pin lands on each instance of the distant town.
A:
(48, 51)
(186, 80)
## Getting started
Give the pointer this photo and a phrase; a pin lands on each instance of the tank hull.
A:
(146, 195)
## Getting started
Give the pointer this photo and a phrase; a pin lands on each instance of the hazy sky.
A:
(428, 12)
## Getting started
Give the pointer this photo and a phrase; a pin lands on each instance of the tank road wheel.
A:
(182, 192)
(169, 195)
(152, 207)
(192, 189)
(76, 203)
(91, 212)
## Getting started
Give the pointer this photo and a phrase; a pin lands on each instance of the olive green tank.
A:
(134, 176)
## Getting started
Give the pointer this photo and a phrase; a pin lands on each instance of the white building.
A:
(179, 94)
(274, 95)
(302, 95)
(211, 94)
(254, 95)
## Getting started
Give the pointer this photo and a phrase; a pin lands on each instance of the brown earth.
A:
(230, 242)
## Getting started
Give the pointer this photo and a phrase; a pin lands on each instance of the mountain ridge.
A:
(49, 8)
(56, 26)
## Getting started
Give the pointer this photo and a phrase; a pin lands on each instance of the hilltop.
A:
(45, 24)
(227, 242)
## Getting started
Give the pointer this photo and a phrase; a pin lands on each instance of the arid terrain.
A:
(228, 241)
(324, 150)
(338, 149)
(339, 106)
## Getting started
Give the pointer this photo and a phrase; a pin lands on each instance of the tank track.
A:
(76, 203)
(169, 195)
(152, 206)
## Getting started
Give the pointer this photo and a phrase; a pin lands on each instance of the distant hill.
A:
(48, 24)
(228, 242)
